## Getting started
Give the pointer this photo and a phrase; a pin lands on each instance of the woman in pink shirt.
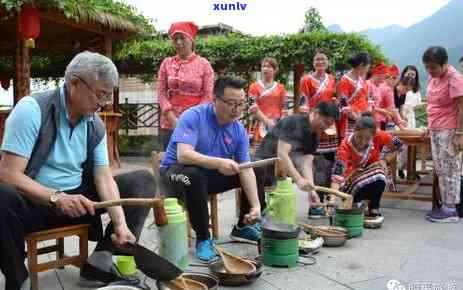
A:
(184, 80)
(445, 123)
(388, 91)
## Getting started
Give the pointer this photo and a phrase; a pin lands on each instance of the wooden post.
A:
(298, 73)
(107, 51)
(110, 116)
(23, 66)
(116, 100)
(108, 46)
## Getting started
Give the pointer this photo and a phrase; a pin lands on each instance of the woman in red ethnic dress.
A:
(315, 87)
(352, 92)
(360, 168)
(268, 99)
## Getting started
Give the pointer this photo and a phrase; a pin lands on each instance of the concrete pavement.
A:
(409, 249)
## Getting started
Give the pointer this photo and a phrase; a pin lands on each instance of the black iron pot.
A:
(278, 230)
(229, 279)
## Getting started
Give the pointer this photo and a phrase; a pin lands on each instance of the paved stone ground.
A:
(407, 248)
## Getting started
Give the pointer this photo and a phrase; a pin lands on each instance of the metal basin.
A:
(332, 240)
(371, 224)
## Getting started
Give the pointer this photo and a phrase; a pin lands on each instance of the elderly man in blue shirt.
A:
(54, 165)
(203, 157)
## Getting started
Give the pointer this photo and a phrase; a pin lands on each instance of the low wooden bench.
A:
(57, 234)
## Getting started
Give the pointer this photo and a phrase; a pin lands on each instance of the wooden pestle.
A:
(259, 163)
(347, 199)
(157, 204)
(323, 232)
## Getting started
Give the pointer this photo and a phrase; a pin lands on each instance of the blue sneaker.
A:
(247, 233)
(258, 227)
(316, 213)
(205, 251)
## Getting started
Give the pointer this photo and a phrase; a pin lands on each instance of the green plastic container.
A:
(126, 265)
(173, 236)
(351, 219)
(281, 204)
(276, 252)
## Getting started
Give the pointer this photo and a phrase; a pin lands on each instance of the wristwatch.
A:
(54, 198)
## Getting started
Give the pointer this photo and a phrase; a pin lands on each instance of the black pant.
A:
(322, 169)
(194, 184)
(20, 216)
(372, 192)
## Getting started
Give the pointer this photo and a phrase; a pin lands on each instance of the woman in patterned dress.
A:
(315, 87)
(267, 99)
(352, 93)
(184, 80)
(360, 168)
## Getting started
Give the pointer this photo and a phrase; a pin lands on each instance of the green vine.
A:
(244, 53)
(241, 54)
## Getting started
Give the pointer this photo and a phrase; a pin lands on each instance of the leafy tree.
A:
(312, 21)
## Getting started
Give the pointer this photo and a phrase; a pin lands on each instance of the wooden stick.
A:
(258, 163)
(333, 191)
(347, 199)
(157, 204)
(323, 232)
(127, 202)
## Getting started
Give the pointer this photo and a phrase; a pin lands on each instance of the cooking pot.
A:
(279, 230)
(229, 279)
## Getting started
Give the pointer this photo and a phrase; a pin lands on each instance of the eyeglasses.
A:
(232, 104)
(102, 97)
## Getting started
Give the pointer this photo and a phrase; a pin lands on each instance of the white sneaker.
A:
(373, 222)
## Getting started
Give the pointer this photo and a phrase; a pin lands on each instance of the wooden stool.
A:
(57, 234)
(213, 218)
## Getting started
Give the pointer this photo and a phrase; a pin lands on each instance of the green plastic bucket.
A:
(351, 219)
(276, 252)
